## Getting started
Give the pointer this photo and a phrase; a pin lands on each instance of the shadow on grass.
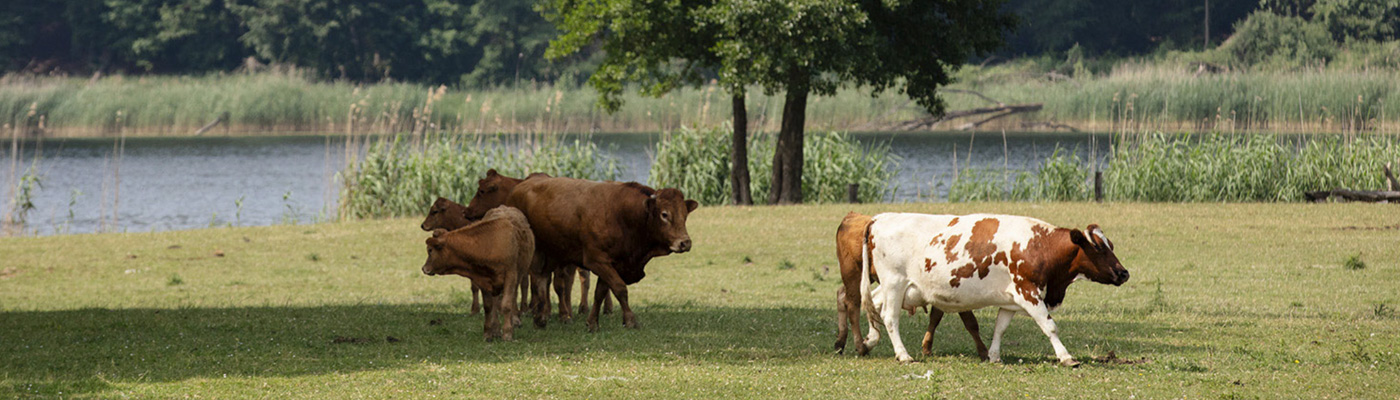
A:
(78, 351)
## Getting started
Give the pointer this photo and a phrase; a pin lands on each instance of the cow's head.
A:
(444, 214)
(1097, 261)
(667, 210)
(437, 261)
(491, 192)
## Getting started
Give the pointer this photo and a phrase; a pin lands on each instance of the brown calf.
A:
(849, 237)
(493, 253)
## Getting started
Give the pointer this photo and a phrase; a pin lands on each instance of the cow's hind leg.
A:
(1003, 321)
(843, 327)
(934, 317)
(476, 300)
(970, 322)
(539, 282)
(583, 281)
(490, 328)
(563, 287)
(893, 307)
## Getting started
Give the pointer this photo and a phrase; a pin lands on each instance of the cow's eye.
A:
(665, 215)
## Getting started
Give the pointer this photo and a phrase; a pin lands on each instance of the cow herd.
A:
(517, 237)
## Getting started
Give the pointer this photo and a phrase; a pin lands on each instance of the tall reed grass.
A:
(292, 101)
(697, 161)
(397, 177)
(1197, 168)
(1171, 96)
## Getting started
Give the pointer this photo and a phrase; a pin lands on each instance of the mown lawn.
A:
(1226, 301)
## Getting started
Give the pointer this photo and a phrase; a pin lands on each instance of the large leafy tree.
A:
(797, 47)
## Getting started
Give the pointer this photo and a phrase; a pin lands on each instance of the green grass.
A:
(1226, 301)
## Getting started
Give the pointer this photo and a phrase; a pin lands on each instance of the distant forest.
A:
(477, 43)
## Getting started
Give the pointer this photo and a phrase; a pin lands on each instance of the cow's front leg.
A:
(1003, 321)
(1047, 326)
(934, 317)
(607, 277)
(892, 308)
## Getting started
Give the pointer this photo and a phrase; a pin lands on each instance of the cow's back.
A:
(967, 265)
(567, 215)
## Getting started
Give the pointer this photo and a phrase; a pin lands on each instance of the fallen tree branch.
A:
(978, 94)
(1374, 196)
(223, 117)
(929, 122)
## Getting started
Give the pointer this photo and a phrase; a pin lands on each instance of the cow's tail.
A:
(866, 302)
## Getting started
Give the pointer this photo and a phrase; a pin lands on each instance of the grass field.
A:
(1234, 301)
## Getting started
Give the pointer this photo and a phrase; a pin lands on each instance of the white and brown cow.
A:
(962, 263)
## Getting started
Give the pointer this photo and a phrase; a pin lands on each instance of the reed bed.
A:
(400, 175)
(1134, 95)
(293, 101)
(1163, 167)
(697, 161)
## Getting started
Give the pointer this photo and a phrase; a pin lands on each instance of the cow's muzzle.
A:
(428, 270)
(1121, 277)
(681, 246)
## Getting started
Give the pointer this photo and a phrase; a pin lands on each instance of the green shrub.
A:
(1279, 41)
(398, 178)
(697, 162)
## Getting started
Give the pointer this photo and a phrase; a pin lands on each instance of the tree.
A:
(659, 45)
(805, 47)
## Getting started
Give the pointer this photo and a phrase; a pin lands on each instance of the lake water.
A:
(185, 183)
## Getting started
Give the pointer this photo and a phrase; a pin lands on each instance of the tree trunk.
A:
(739, 174)
(787, 157)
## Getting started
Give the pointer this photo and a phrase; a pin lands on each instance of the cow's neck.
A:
(1056, 269)
(456, 215)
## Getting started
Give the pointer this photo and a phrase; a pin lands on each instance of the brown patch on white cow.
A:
(928, 265)
(953, 222)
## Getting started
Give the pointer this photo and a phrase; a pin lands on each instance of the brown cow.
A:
(849, 237)
(448, 215)
(610, 228)
(493, 253)
(492, 192)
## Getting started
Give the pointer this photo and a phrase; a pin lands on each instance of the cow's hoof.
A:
(840, 347)
(592, 327)
(982, 356)
(566, 319)
(540, 322)
(906, 359)
(490, 338)
(927, 352)
(1069, 362)
(862, 351)
(508, 338)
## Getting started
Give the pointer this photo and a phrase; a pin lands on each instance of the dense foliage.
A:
(477, 42)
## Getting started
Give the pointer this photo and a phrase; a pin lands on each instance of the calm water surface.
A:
(184, 183)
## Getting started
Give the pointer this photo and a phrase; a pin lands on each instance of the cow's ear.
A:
(491, 173)
(651, 203)
(437, 233)
(1078, 238)
(433, 242)
(691, 205)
